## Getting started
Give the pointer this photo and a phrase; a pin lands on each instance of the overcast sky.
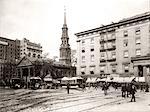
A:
(41, 21)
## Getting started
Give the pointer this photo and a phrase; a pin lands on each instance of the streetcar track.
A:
(32, 105)
(49, 98)
(85, 110)
(95, 100)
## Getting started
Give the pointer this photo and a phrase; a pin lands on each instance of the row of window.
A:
(137, 32)
(112, 44)
(91, 58)
(137, 41)
(137, 53)
(113, 69)
(83, 49)
(29, 55)
(125, 34)
(113, 55)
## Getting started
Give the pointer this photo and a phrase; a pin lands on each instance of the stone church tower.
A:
(65, 51)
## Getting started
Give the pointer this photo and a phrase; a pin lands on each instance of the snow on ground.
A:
(89, 100)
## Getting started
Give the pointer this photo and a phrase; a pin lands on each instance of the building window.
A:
(138, 41)
(102, 56)
(38, 56)
(29, 54)
(83, 59)
(113, 36)
(102, 46)
(92, 40)
(102, 37)
(83, 42)
(102, 69)
(126, 68)
(92, 58)
(137, 31)
(34, 55)
(113, 44)
(92, 70)
(92, 48)
(138, 52)
(83, 50)
(83, 71)
(125, 33)
(109, 44)
(126, 54)
(113, 55)
(125, 43)
(114, 69)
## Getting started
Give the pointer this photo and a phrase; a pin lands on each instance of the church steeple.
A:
(65, 51)
(65, 16)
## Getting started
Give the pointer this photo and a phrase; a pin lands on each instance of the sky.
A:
(41, 21)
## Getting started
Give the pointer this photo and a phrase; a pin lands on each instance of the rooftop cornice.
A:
(117, 24)
(7, 39)
(140, 58)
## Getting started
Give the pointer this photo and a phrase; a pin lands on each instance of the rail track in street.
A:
(49, 98)
(56, 99)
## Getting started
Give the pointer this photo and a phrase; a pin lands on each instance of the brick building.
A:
(108, 49)
(9, 53)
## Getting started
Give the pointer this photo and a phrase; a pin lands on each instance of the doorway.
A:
(140, 71)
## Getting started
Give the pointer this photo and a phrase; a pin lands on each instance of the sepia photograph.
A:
(74, 55)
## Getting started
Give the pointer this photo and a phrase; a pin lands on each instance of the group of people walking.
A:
(127, 90)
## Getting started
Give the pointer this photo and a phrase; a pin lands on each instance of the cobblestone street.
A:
(90, 100)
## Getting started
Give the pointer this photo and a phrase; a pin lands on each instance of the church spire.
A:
(65, 51)
(65, 15)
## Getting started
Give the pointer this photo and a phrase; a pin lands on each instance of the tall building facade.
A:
(9, 54)
(9, 49)
(108, 49)
(30, 49)
(65, 51)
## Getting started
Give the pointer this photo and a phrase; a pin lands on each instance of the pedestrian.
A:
(128, 89)
(104, 88)
(95, 85)
(83, 86)
(68, 87)
(147, 88)
(133, 90)
(116, 86)
(123, 89)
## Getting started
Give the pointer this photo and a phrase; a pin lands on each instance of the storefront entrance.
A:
(140, 71)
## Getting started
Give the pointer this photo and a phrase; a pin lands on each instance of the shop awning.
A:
(140, 79)
(74, 78)
(91, 80)
(47, 79)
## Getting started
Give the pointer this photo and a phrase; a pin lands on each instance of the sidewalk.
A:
(142, 104)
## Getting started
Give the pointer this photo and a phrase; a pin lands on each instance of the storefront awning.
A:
(47, 79)
(91, 80)
(140, 79)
